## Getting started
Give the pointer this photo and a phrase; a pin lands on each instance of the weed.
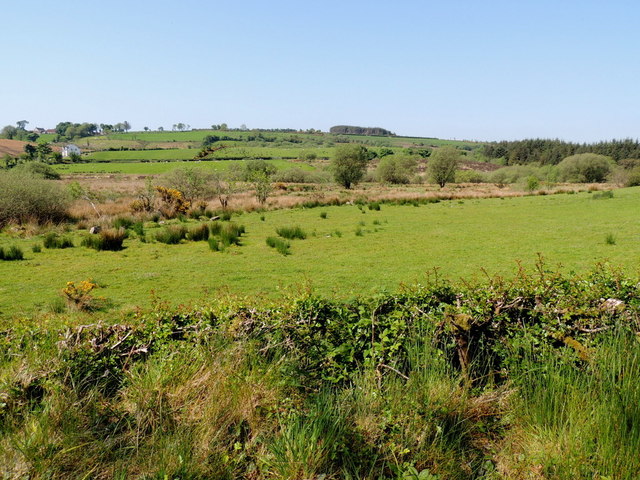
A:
(78, 296)
(337, 233)
(359, 232)
(282, 246)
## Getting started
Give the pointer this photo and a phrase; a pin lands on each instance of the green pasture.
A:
(153, 168)
(398, 244)
(232, 152)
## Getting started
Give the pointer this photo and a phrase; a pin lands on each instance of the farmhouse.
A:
(67, 150)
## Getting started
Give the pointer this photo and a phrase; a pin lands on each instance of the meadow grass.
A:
(403, 244)
(154, 168)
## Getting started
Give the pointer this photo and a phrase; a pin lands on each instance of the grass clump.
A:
(291, 233)
(323, 215)
(52, 240)
(36, 248)
(198, 233)
(282, 246)
(610, 239)
(11, 253)
(110, 239)
(171, 235)
(603, 195)
(374, 206)
(223, 235)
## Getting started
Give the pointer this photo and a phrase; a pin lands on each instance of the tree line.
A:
(552, 152)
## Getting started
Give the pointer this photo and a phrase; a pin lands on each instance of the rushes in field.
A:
(11, 253)
(199, 233)
(171, 235)
(53, 240)
(282, 246)
(291, 233)
(110, 239)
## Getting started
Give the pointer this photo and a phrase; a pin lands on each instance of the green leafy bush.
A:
(28, 198)
(585, 168)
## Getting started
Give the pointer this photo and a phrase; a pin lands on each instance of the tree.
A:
(9, 132)
(126, 126)
(194, 183)
(261, 186)
(396, 169)
(349, 164)
(585, 168)
(442, 165)
(223, 187)
(161, 129)
(21, 124)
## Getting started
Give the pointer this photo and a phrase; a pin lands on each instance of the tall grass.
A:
(171, 235)
(11, 253)
(581, 417)
(110, 239)
(291, 233)
(282, 246)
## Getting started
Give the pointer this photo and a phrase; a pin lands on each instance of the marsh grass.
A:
(198, 233)
(291, 232)
(282, 246)
(109, 239)
(171, 235)
(11, 253)
(52, 241)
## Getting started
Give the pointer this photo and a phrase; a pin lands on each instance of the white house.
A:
(67, 150)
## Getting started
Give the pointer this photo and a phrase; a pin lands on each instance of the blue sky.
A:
(462, 69)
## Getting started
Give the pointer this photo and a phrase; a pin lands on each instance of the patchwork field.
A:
(353, 251)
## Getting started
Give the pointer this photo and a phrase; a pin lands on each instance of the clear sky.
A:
(464, 69)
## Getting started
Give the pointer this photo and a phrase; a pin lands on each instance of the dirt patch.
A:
(12, 147)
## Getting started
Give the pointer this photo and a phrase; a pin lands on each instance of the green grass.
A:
(153, 168)
(410, 242)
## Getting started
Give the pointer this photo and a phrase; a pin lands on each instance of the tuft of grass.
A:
(602, 195)
(291, 233)
(36, 248)
(323, 215)
(359, 232)
(374, 206)
(223, 235)
(199, 233)
(123, 222)
(53, 240)
(282, 246)
(110, 240)
(171, 235)
(610, 239)
(11, 253)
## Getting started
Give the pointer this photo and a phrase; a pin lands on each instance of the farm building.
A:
(67, 150)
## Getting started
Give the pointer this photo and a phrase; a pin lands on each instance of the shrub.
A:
(633, 179)
(78, 296)
(171, 235)
(11, 253)
(291, 233)
(53, 240)
(27, 198)
(199, 233)
(396, 169)
(282, 246)
(532, 183)
(110, 239)
(39, 169)
(585, 168)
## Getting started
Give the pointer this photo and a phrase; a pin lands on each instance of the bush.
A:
(111, 239)
(11, 253)
(171, 235)
(396, 169)
(633, 180)
(585, 168)
(39, 169)
(282, 246)
(291, 233)
(53, 240)
(297, 175)
(27, 198)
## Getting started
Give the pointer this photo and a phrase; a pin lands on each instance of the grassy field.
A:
(233, 152)
(156, 167)
(347, 253)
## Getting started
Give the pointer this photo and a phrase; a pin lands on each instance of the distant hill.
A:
(351, 130)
